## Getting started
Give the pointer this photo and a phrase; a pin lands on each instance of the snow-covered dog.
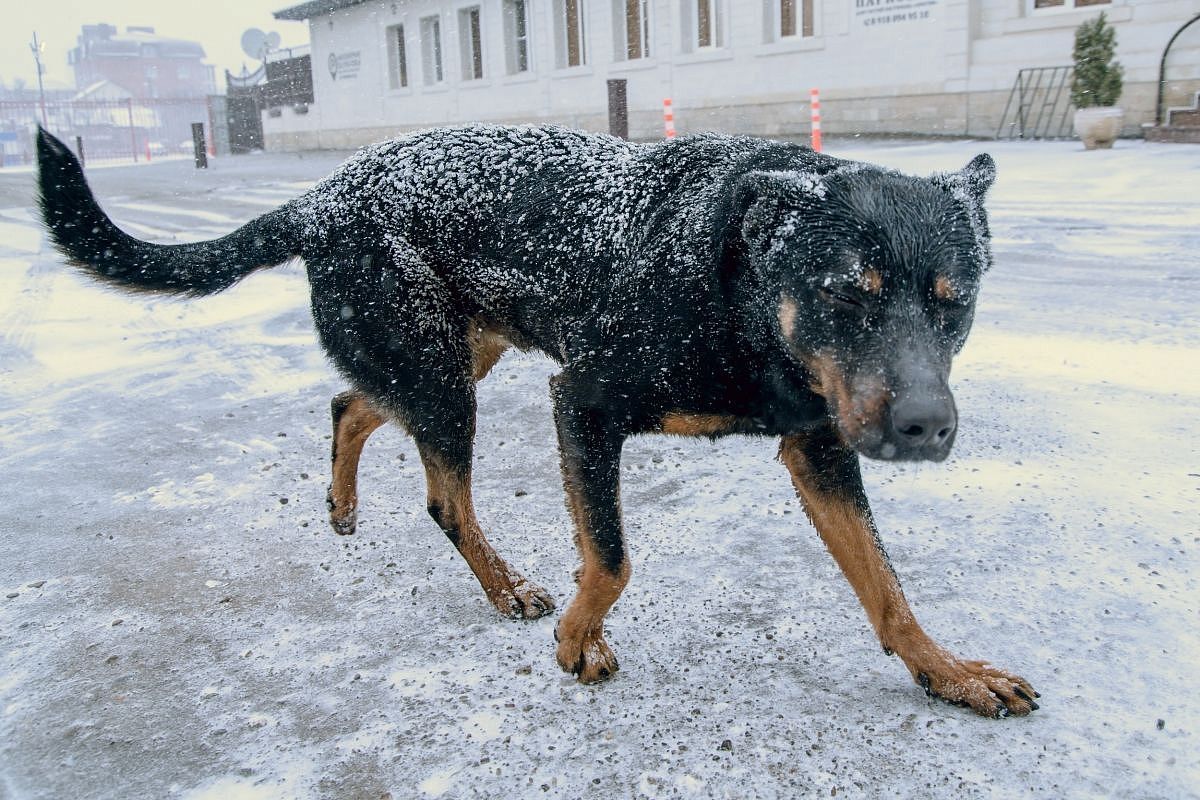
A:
(704, 286)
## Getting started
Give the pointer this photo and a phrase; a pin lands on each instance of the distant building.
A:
(942, 67)
(141, 62)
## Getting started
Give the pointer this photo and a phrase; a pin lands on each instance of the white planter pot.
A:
(1098, 127)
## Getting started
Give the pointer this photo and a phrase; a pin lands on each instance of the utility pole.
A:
(38, 48)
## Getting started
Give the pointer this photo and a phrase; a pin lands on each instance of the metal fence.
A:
(129, 130)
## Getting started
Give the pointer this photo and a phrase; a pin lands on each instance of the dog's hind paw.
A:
(983, 688)
(342, 518)
(588, 657)
(345, 525)
(522, 600)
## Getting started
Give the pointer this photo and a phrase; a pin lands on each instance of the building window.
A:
(570, 33)
(431, 50)
(152, 81)
(1068, 4)
(792, 18)
(631, 26)
(703, 24)
(470, 43)
(516, 36)
(397, 57)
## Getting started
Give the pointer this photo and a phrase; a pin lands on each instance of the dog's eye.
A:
(950, 309)
(950, 317)
(843, 298)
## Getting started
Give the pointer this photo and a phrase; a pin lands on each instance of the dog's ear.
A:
(765, 202)
(968, 186)
(972, 181)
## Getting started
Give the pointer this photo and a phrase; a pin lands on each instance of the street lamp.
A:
(38, 48)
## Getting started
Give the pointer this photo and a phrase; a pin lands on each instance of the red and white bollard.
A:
(816, 119)
(668, 119)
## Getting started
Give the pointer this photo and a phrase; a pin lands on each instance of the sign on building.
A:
(345, 66)
(872, 13)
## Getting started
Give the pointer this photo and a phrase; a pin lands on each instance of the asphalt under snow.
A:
(177, 620)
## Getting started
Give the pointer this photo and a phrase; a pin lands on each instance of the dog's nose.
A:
(921, 421)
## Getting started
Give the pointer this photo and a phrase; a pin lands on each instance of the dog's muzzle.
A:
(915, 427)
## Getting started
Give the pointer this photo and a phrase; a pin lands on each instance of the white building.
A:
(943, 67)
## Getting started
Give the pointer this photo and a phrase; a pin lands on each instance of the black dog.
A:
(704, 286)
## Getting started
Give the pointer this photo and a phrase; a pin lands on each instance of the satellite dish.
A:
(255, 43)
(273, 41)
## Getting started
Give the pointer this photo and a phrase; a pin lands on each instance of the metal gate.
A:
(245, 123)
(243, 109)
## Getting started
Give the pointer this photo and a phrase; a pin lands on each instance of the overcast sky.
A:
(216, 24)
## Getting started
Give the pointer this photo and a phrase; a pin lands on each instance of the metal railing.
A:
(1039, 105)
(121, 129)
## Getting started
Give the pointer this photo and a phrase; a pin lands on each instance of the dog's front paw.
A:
(985, 689)
(521, 599)
(586, 655)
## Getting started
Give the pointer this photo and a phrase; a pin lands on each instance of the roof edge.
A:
(314, 8)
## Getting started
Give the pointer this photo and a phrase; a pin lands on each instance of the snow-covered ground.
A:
(180, 622)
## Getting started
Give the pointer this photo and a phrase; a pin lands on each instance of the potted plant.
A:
(1097, 84)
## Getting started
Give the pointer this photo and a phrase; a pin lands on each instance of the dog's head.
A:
(871, 278)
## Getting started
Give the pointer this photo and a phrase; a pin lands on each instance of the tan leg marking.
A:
(449, 500)
(354, 421)
(849, 533)
(487, 347)
(681, 424)
(580, 633)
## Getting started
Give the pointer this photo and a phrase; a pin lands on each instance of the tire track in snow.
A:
(24, 285)
(165, 210)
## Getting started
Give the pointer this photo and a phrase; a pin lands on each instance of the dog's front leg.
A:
(827, 478)
(590, 449)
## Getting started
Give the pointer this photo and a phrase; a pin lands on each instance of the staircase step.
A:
(1183, 118)
(1172, 133)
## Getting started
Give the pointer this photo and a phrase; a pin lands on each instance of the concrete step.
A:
(1172, 133)
(1183, 118)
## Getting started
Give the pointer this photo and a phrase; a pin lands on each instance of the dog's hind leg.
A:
(448, 482)
(354, 420)
(590, 448)
(439, 411)
(438, 408)
(397, 330)
(827, 478)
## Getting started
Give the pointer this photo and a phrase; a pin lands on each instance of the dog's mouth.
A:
(881, 423)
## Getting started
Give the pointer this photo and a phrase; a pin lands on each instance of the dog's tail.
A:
(85, 235)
